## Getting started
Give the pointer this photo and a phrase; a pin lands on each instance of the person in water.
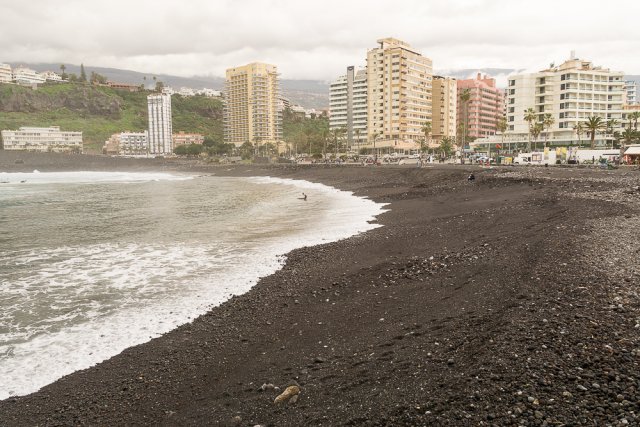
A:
(304, 197)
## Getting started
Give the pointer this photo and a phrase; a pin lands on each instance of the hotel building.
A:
(160, 126)
(399, 94)
(50, 139)
(348, 105)
(485, 107)
(251, 110)
(570, 92)
(445, 101)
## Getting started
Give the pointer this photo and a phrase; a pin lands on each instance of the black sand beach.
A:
(508, 301)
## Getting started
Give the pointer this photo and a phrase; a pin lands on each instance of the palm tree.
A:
(547, 122)
(530, 117)
(426, 129)
(465, 97)
(536, 129)
(375, 155)
(593, 125)
(634, 117)
(610, 125)
(502, 127)
(578, 128)
(337, 134)
(628, 136)
(357, 131)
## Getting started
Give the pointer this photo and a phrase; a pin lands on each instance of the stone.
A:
(287, 394)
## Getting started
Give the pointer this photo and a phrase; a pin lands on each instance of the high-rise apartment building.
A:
(348, 105)
(399, 93)
(445, 101)
(251, 112)
(160, 126)
(570, 92)
(485, 107)
(631, 92)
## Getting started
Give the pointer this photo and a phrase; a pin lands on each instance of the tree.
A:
(530, 117)
(578, 128)
(465, 97)
(63, 74)
(83, 74)
(634, 116)
(426, 129)
(446, 146)
(536, 129)
(502, 127)
(547, 122)
(246, 150)
(73, 78)
(336, 135)
(97, 78)
(144, 82)
(610, 126)
(159, 86)
(593, 125)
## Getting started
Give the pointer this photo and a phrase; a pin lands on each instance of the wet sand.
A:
(509, 301)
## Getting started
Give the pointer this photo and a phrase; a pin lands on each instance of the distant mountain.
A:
(308, 93)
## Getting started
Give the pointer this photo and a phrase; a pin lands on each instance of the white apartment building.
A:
(51, 76)
(399, 94)
(348, 105)
(50, 139)
(6, 74)
(27, 76)
(570, 92)
(631, 92)
(445, 105)
(127, 144)
(160, 125)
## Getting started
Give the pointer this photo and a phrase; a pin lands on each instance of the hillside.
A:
(100, 112)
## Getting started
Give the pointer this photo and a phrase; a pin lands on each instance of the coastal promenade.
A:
(511, 300)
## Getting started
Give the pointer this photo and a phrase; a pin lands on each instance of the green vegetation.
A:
(305, 135)
(100, 111)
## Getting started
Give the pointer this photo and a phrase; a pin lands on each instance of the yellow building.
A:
(251, 111)
(399, 94)
(445, 100)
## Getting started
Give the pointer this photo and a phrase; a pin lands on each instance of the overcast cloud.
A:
(316, 39)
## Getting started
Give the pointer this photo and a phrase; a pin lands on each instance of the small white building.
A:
(50, 76)
(209, 92)
(50, 139)
(6, 74)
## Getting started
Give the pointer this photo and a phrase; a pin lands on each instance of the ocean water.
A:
(94, 262)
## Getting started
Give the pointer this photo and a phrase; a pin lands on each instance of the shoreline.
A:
(437, 318)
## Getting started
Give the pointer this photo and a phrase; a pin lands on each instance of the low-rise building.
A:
(123, 86)
(6, 74)
(50, 139)
(51, 76)
(182, 138)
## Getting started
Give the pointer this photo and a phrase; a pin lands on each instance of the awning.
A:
(632, 151)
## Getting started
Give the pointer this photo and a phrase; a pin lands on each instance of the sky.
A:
(317, 39)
